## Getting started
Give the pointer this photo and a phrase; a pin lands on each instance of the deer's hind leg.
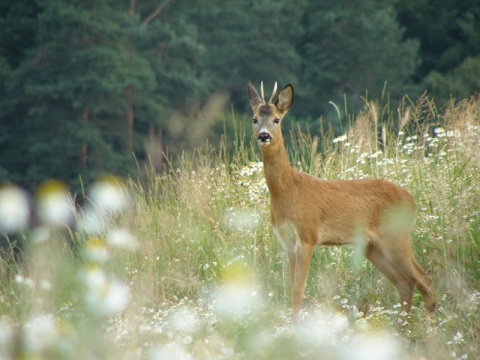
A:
(425, 286)
(398, 270)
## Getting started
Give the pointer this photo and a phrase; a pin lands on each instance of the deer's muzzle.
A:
(264, 137)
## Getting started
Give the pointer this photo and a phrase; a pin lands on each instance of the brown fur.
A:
(307, 211)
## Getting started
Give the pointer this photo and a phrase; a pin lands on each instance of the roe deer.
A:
(307, 211)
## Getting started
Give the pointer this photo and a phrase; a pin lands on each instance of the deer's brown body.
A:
(307, 211)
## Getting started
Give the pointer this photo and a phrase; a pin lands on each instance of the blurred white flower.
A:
(92, 221)
(105, 297)
(340, 138)
(28, 282)
(40, 235)
(184, 320)
(14, 209)
(54, 205)
(376, 155)
(440, 132)
(110, 195)
(323, 327)
(95, 250)
(122, 238)
(241, 219)
(236, 296)
(234, 299)
(458, 339)
(252, 168)
(45, 285)
(373, 347)
(6, 340)
(41, 333)
(168, 352)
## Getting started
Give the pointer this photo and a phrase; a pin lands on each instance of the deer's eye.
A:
(255, 121)
(276, 120)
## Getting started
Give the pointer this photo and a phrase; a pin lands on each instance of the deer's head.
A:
(267, 117)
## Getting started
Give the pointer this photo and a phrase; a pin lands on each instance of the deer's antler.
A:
(262, 92)
(273, 93)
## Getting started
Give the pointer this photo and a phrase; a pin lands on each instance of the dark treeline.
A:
(84, 84)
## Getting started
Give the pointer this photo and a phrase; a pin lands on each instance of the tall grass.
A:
(183, 264)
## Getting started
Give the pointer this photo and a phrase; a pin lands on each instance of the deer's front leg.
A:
(303, 255)
(292, 259)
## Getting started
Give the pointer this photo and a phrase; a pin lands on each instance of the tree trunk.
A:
(129, 114)
(84, 153)
(131, 10)
(155, 146)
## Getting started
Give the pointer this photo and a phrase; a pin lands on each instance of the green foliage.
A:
(449, 45)
(74, 101)
(447, 33)
(459, 83)
(18, 23)
(351, 53)
(250, 40)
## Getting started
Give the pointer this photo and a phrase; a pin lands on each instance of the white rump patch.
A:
(287, 234)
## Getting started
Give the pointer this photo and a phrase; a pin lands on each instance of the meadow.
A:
(183, 264)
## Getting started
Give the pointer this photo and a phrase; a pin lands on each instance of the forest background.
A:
(101, 86)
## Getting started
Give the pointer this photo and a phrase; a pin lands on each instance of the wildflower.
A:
(323, 327)
(40, 235)
(54, 204)
(110, 195)
(458, 339)
(440, 132)
(234, 297)
(453, 133)
(340, 138)
(41, 333)
(6, 339)
(92, 221)
(95, 250)
(123, 239)
(373, 347)
(185, 320)
(104, 296)
(45, 285)
(167, 352)
(14, 209)
(375, 155)
(242, 220)
(27, 282)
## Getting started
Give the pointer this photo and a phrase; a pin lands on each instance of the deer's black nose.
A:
(264, 137)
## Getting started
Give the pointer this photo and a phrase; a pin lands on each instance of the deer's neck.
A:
(278, 172)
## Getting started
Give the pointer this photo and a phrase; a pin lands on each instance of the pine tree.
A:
(351, 48)
(69, 97)
(249, 40)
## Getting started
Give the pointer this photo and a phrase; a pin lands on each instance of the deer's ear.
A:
(285, 99)
(253, 96)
